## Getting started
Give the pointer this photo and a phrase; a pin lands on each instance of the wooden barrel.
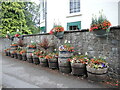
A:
(96, 74)
(29, 56)
(78, 69)
(53, 63)
(24, 57)
(64, 64)
(11, 50)
(11, 53)
(19, 56)
(43, 62)
(15, 55)
(65, 54)
(6, 53)
(36, 60)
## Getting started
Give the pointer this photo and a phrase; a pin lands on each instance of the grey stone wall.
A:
(4, 43)
(85, 41)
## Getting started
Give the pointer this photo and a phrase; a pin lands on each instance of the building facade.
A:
(75, 14)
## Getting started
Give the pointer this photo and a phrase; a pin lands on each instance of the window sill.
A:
(74, 15)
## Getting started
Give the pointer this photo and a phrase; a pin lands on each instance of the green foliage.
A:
(13, 18)
(18, 15)
(32, 16)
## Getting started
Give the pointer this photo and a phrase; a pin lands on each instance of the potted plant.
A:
(100, 26)
(65, 52)
(44, 44)
(52, 60)
(43, 60)
(7, 52)
(35, 57)
(97, 69)
(78, 64)
(31, 46)
(14, 45)
(19, 49)
(58, 31)
(13, 53)
(23, 53)
(30, 49)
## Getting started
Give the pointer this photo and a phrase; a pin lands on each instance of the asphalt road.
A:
(21, 74)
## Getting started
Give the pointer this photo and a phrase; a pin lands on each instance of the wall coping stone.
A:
(73, 31)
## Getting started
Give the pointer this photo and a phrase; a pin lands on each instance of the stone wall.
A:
(85, 41)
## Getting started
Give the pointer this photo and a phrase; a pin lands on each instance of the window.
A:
(74, 6)
(74, 25)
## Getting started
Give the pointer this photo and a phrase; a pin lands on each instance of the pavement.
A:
(21, 74)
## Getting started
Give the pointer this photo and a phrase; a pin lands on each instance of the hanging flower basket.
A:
(100, 33)
(59, 35)
(58, 31)
(100, 26)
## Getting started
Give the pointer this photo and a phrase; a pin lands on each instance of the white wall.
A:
(89, 7)
(56, 12)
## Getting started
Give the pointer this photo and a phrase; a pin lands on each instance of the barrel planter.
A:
(19, 56)
(29, 57)
(36, 60)
(11, 50)
(64, 64)
(53, 63)
(65, 54)
(96, 74)
(78, 69)
(15, 55)
(24, 57)
(12, 55)
(29, 54)
(43, 62)
(6, 53)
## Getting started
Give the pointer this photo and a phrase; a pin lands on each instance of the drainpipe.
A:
(46, 15)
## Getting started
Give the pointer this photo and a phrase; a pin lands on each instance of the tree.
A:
(13, 18)
(32, 16)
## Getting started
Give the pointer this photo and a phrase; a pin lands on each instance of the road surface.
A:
(21, 74)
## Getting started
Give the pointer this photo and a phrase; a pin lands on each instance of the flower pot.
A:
(78, 69)
(64, 65)
(15, 55)
(19, 56)
(9, 53)
(94, 74)
(12, 55)
(43, 62)
(65, 54)
(53, 63)
(6, 53)
(29, 58)
(59, 35)
(100, 33)
(29, 55)
(24, 57)
(36, 60)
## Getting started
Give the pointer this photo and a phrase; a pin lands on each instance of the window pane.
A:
(74, 6)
